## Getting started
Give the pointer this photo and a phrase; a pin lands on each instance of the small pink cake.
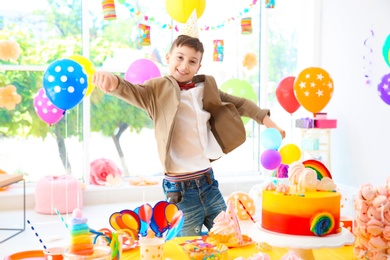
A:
(61, 192)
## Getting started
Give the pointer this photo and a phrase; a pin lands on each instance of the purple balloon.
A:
(384, 89)
(141, 70)
(270, 159)
(45, 109)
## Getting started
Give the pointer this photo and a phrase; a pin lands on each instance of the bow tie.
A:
(186, 86)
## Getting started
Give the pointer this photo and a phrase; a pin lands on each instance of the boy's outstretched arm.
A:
(267, 121)
(106, 81)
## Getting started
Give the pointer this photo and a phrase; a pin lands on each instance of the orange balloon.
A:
(170, 211)
(313, 89)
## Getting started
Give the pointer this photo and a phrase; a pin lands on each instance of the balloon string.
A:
(367, 67)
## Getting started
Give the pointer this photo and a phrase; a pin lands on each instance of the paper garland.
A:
(170, 26)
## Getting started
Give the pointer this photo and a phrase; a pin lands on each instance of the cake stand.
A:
(302, 245)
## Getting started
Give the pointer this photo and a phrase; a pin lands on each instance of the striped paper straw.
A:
(247, 212)
(36, 234)
(61, 217)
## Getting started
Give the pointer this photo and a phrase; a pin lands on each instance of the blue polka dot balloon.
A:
(65, 83)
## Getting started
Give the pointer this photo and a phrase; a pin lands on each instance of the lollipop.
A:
(81, 241)
(322, 223)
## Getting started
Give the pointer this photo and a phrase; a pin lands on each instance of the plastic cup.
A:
(54, 253)
(151, 248)
(99, 253)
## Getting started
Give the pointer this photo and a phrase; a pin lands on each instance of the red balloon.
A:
(285, 95)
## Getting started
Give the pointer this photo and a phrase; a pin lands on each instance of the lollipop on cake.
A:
(81, 242)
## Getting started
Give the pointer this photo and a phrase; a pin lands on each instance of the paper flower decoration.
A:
(250, 61)
(9, 98)
(105, 172)
(9, 50)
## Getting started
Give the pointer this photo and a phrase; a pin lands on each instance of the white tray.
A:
(345, 237)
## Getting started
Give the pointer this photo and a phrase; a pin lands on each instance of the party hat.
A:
(232, 213)
(191, 27)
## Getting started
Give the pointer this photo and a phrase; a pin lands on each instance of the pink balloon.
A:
(46, 110)
(141, 70)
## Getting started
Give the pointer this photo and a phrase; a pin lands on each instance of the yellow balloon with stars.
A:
(313, 89)
(181, 10)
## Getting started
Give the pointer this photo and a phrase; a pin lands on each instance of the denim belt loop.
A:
(208, 178)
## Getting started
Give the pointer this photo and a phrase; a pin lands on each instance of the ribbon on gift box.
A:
(308, 122)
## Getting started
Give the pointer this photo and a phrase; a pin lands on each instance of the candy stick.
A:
(61, 217)
(36, 234)
(247, 212)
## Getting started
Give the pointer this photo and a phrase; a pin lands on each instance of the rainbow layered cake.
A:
(308, 206)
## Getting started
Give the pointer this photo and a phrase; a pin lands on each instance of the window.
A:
(103, 127)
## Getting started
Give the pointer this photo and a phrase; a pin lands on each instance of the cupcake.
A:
(223, 230)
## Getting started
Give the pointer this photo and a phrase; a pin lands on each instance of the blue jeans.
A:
(200, 200)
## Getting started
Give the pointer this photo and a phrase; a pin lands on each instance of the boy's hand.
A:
(106, 81)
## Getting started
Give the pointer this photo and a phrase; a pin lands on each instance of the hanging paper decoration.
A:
(269, 3)
(367, 59)
(144, 36)
(218, 50)
(109, 9)
(9, 50)
(246, 25)
(9, 97)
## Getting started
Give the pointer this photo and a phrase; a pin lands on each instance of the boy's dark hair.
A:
(185, 40)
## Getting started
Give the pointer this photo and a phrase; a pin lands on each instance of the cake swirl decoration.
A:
(307, 180)
(283, 188)
(270, 186)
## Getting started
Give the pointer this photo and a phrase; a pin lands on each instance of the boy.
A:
(195, 123)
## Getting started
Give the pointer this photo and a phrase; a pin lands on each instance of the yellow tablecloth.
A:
(173, 251)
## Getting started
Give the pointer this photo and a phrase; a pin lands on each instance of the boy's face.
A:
(184, 63)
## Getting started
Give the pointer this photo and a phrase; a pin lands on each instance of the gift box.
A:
(304, 123)
(325, 123)
(310, 144)
(321, 116)
(62, 192)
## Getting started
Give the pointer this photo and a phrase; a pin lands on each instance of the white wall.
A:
(360, 149)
